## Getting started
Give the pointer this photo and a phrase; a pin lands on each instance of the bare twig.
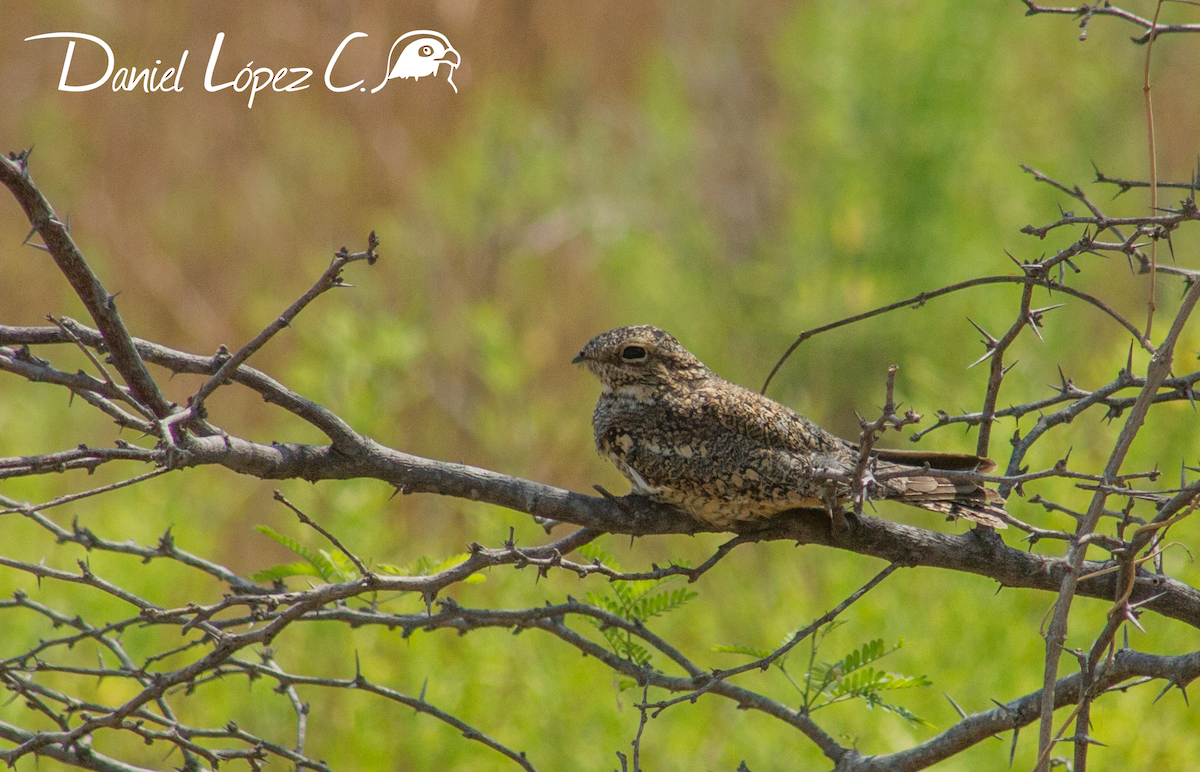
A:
(363, 571)
(917, 301)
(330, 279)
(710, 680)
(1153, 29)
(14, 174)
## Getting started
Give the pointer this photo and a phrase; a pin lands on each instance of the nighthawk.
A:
(684, 436)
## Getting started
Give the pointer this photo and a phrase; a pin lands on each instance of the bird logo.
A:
(426, 51)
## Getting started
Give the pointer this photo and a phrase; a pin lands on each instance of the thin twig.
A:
(363, 571)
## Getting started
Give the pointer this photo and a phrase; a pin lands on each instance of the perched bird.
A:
(684, 436)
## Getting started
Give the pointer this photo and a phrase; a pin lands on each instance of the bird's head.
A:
(640, 356)
(423, 55)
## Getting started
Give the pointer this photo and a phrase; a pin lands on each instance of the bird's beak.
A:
(578, 358)
(446, 57)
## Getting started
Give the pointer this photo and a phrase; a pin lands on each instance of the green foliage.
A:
(336, 566)
(825, 684)
(635, 601)
(329, 566)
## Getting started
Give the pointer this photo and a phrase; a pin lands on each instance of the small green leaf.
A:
(902, 712)
(634, 601)
(447, 563)
(345, 567)
(286, 541)
(592, 552)
(321, 563)
(275, 573)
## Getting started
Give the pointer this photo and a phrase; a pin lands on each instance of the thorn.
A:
(1144, 601)
(1132, 618)
(1088, 740)
(962, 713)
(27, 241)
(989, 341)
(1062, 377)
(1040, 311)
(981, 359)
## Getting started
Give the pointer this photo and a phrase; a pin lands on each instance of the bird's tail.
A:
(985, 510)
(924, 489)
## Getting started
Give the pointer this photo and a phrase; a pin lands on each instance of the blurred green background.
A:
(734, 172)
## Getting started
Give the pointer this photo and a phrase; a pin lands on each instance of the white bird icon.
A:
(424, 54)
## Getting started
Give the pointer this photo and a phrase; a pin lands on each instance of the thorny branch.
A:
(860, 477)
(1085, 12)
(1160, 366)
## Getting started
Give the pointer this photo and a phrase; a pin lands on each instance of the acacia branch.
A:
(977, 727)
(1086, 12)
(179, 362)
(102, 306)
(332, 277)
(1056, 633)
(995, 352)
(919, 300)
(635, 515)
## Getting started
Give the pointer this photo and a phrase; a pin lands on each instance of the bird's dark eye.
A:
(633, 353)
(426, 51)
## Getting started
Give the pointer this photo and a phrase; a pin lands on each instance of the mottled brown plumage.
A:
(685, 436)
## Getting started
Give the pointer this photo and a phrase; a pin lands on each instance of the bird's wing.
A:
(775, 426)
(795, 450)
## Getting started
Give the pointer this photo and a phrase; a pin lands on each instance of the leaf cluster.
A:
(635, 601)
(332, 566)
(851, 677)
